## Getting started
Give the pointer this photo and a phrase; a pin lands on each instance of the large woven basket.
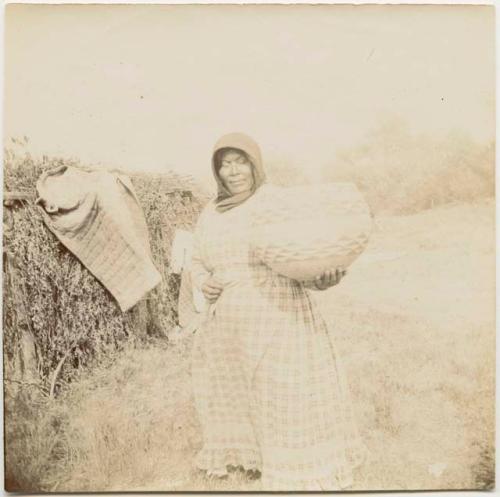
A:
(301, 232)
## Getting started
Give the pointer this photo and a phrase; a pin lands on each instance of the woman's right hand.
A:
(212, 288)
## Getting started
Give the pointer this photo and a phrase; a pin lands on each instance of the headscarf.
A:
(238, 141)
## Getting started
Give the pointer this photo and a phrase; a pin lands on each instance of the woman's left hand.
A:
(329, 278)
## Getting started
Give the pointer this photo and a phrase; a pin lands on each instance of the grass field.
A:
(414, 321)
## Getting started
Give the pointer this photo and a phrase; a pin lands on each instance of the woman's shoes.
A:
(223, 474)
(250, 474)
(253, 474)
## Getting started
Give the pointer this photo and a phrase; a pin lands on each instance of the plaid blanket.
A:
(268, 383)
(97, 216)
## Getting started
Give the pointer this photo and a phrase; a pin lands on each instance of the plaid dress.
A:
(267, 382)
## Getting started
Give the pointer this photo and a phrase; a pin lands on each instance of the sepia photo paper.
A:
(249, 247)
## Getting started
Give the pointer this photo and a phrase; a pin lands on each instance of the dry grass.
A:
(414, 323)
(129, 425)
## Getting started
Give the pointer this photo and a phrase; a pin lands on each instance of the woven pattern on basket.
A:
(301, 232)
(299, 203)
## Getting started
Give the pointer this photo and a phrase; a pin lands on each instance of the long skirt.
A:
(270, 392)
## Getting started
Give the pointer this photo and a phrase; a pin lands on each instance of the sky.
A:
(153, 87)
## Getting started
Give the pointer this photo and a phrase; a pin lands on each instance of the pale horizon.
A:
(152, 87)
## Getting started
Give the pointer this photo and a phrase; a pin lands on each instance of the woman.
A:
(267, 385)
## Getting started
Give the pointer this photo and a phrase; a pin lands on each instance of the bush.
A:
(401, 173)
(50, 295)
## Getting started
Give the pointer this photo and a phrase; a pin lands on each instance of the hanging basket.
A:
(301, 232)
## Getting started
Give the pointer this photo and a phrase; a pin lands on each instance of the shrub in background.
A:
(402, 173)
(47, 291)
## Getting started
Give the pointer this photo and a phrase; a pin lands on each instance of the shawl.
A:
(97, 216)
(225, 200)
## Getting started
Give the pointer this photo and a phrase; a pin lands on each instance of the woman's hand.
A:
(329, 278)
(212, 288)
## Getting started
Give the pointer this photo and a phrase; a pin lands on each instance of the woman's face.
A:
(236, 172)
